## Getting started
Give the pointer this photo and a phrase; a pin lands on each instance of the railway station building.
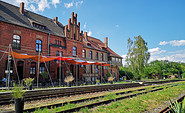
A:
(25, 32)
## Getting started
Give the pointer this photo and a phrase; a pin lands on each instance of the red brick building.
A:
(29, 33)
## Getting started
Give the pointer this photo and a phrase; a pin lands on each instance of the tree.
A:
(138, 56)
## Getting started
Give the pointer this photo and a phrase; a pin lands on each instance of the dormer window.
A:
(89, 45)
(39, 26)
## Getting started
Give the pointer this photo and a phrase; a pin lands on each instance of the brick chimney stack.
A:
(75, 18)
(79, 24)
(69, 24)
(21, 8)
(106, 42)
(85, 35)
(55, 20)
(81, 32)
(72, 17)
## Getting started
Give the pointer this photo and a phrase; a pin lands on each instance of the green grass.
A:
(128, 105)
(141, 102)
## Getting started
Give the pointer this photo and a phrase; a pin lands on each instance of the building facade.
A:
(29, 33)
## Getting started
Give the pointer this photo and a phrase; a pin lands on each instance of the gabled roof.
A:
(10, 13)
(99, 45)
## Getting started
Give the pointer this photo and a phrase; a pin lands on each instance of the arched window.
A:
(60, 43)
(33, 68)
(57, 53)
(96, 55)
(38, 45)
(83, 53)
(42, 67)
(61, 53)
(90, 54)
(84, 69)
(74, 51)
(102, 56)
(16, 42)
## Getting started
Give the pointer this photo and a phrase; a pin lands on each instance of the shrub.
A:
(177, 107)
(183, 75)
(17, 91)
(28, 81)
(97, 81)
(44, 74)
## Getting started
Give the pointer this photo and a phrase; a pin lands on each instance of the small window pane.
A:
(74, 51)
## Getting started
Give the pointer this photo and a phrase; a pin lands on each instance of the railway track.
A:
(168, 110)
(6, 97)
(120, 96)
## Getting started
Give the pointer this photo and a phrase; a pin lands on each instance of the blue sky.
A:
(161, 23)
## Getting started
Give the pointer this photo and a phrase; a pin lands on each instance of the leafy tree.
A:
(138, 56)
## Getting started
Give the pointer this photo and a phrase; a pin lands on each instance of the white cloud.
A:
(89, 33)
(123, 60)
(85, 25)
(173, 58)
(42, 4)
(156, 51)
(163, 43)
(116, 26)
(173, 43)
(68, 5)
(54, 2)
(79, 3)
(35, 5)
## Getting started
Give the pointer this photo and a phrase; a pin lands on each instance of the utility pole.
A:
(38, 69)
(8, 80)
(60, 70)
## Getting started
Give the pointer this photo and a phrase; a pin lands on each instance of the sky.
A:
(161, 23)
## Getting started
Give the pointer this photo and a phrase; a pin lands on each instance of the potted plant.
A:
(69, 79)
(97, 81)
(28, 82)
(18, 98)
(44, 77)
(110, 79)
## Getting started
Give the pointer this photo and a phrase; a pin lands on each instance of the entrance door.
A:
(20, 67)
(72, 69)
(77, 69)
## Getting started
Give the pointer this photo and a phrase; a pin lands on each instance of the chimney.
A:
(106, 42)
(55, 20)
(75, 18)
(85, 35)
(81, 32)
(79, 24)
(72, 17)
(66, 31)
(69, 23)
(21, 8)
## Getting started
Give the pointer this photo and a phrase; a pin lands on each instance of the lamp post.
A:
(163, 73)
